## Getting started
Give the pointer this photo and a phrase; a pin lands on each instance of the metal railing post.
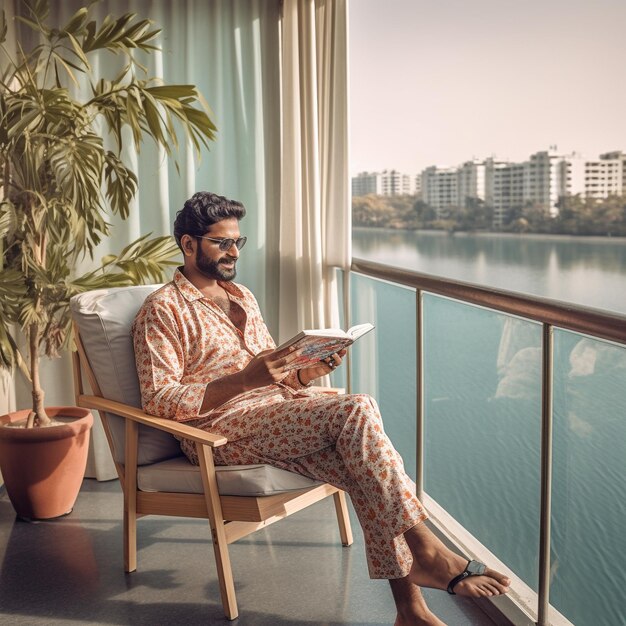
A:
(419, 363)
(346, 314)
(546, 475)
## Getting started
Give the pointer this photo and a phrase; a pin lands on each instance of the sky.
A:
(439, 82)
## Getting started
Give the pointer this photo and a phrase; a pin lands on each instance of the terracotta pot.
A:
(43, 468)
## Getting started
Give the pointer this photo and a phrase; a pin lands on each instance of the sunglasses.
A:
(227, 244)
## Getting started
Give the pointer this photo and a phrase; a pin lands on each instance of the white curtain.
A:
(314, 219)
(297, 223)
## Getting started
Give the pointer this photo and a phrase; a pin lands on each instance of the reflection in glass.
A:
(589, 486)
(483, 415)
(483, 427)
(383, 361)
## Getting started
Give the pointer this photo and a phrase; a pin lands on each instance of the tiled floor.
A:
(70, 571)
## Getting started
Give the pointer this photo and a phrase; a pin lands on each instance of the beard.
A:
(215, 270)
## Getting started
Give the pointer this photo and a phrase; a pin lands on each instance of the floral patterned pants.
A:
(335, 439)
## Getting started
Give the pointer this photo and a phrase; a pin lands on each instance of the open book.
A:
(314, 345)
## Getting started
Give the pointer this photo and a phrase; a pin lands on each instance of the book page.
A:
(359, 330)
(311, 349)
(325, 333)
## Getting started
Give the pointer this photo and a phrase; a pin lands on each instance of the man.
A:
(205, 357)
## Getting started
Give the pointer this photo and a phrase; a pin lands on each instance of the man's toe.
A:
(499, 587)
(500, 578)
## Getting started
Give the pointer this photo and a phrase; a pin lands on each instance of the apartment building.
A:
(385, 183)
(471, 180)
(540, 180)
(440, 189)
(365, 183)
(417, 185)
(606, 176)
(396, 184)
(444, 188)
(504, 188)
(571, 175)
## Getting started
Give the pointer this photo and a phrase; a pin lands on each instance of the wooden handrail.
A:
(586, 320)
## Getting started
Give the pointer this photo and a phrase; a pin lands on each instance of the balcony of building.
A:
(490, 404)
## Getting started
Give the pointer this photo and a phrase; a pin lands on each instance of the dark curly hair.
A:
(203, 210)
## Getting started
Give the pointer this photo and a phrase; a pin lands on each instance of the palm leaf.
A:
(12, 290)
(76, 22)
(3, 27)
(120, 184)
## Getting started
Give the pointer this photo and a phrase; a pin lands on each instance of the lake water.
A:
(483, 409)
(586, 270)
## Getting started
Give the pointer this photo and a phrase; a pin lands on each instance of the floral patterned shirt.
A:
(183, 341)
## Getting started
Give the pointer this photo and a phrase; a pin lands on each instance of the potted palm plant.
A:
(61, 173)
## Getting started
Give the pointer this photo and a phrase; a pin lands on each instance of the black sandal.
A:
(473, 568)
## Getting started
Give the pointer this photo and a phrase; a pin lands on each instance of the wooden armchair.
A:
(156, 478)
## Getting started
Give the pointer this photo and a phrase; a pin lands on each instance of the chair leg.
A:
(343, 518)
(130, 541)
(216, 521)
(224, 574)
(130, 496)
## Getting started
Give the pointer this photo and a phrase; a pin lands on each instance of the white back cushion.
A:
(104, 318)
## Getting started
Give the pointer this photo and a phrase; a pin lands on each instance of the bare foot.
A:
(411, 620)
(412, 609)
(435, 565)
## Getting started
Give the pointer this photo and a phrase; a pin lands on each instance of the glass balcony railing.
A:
(589, 480)
(514, 428)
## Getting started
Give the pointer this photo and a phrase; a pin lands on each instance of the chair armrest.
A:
(137, 415)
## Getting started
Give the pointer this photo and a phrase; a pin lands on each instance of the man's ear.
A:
(186, 242)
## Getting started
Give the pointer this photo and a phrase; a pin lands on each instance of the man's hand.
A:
(266, 368)
(321, 368)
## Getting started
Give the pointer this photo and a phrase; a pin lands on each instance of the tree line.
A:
(576, 216)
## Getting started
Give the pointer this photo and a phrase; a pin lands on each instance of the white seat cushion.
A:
(178, 475)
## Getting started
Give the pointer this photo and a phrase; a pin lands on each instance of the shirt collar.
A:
(191, 293)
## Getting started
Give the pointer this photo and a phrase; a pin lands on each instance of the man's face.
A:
(214, 263)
